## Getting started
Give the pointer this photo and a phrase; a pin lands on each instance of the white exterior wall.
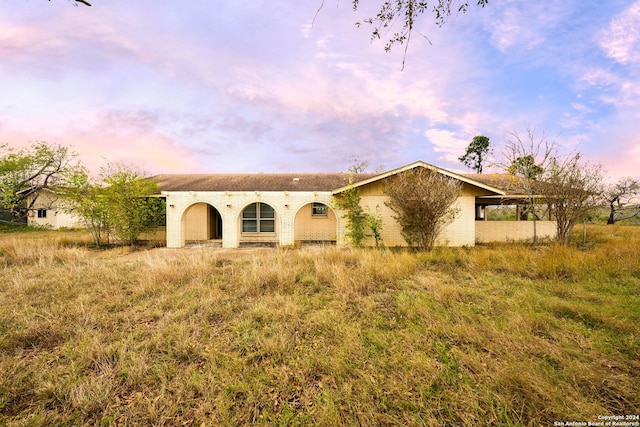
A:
(230, 205)
(55, 216)
(54, 219)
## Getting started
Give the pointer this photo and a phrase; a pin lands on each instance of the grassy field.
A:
(495, 335)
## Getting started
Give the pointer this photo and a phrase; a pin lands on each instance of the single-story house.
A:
(235, 210)
(48, 211)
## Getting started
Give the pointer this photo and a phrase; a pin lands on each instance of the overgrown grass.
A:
(492, 335)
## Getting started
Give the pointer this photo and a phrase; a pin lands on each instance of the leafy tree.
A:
(572, 188)
(526, 167)
(476, 153)
(621, 197)
(131, 209)
(116, 205)
(86, 199)
(25, 173)
(422, 200)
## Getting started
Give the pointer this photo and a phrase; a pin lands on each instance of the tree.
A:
(117, 204)
(572, 188)
(86, 199)
(527, 158)
(25, 173)
(526, 167)
(131, 209)
(621, 197)
(407, 13)
(422, 200)
(476, 153)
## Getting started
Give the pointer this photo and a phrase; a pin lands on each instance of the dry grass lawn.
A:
(493, 335)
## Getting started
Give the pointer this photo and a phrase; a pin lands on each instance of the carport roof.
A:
(256, 182)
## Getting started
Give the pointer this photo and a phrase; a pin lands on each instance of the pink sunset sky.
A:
(262, 86)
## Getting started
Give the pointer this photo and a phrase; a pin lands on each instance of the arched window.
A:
(258, 218)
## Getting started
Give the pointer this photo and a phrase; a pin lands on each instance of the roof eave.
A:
(420, 163)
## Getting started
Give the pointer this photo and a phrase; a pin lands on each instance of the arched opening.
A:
(202, 222)
(315, 223)
(258, 224)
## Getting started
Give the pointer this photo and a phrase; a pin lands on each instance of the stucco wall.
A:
(513, 231)
(55, 219)
(230, 206)
(55, 216)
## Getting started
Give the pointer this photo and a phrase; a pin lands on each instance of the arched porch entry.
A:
(202, 222)
(315, 223)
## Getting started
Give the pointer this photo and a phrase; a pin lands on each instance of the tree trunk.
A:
(611, 220)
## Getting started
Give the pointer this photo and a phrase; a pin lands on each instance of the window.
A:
(258, 218)
(42, 213)
(318, 209)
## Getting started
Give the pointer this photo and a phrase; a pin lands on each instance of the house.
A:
(235, 210)
(48, 211)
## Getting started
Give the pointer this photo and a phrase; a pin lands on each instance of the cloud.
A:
(131, 137)
(447, 142)
(621, 40)
(513, 24)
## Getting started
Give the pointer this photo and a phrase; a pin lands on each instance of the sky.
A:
(253, 86)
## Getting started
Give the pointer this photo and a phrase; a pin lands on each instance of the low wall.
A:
(513, 231)
(157, 234)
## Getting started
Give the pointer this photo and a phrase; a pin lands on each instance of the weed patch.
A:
(492, 335)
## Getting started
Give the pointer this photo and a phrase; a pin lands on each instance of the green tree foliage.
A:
(349, 203)
(87, 199)
(526, 167)
(422, 200)
(476, 153)
(116, 205)
(25, 173)
(131, 209)
(360, 223)
(374, 224)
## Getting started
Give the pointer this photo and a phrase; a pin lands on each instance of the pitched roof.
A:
(513, 186)
(464, 178)
(256, 182)
(510, 184)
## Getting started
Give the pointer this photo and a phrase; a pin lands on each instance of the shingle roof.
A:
(256, 182)
(510, 184)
